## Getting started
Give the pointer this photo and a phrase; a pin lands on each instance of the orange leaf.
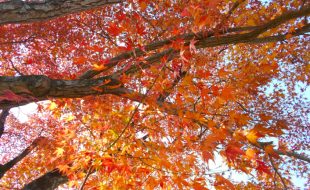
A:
(250, 153)
(269, 150)
(79, 60)
(223, 183)
(98, 67)
(59, 151)
(265, 117)
(227, 93)
(252, 136)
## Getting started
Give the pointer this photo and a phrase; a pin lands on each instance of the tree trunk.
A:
(17, 11)
(48, 181)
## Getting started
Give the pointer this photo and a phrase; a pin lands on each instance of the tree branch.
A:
(291, 154)
(3, 117)
(6, 167)
(137, 52)
(33, 88)
(167, 91)
(277, 172)
(49, 181)
(206, 39)
(18, 11)
(86, 177)
(16, 91)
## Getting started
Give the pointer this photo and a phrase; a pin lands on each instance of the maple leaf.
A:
(269, 150)
(250, 153)
(8, 95)
(223, 182)
(59, 151)
(207, 156)
(252, 136)
(29, 61)
(98, 67)
(232, 152)
(198, 186)
(113, 29)
(185, 13)
(262, 167)
(227, 93)
(52, 106)
(63, 168)
(79, 60)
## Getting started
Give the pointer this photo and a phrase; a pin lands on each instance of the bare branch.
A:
(277, 172)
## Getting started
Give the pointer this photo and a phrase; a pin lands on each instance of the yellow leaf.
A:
(98, 67)
(252, 137)
(114, 134)
(73, 183)
(69, 118)
(52, 106)
(59, 151)
(250, 153)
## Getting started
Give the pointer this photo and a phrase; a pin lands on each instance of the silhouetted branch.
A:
(3, 116)
(6, 167)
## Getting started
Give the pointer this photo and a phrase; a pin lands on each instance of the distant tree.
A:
(142, 94)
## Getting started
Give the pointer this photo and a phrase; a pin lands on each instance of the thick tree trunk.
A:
(49, 181)
(17, 11)
(16, 91)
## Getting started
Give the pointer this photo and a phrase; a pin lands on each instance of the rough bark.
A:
(48, 181)
(16, 91)
(17, 11)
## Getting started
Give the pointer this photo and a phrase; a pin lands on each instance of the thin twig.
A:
(132, 115)
(86, 177)
(15, 69)
(277, 172)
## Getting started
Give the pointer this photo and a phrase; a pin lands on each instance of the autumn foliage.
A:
(143, 94)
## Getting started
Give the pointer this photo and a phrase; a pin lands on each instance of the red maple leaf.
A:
(11, 96)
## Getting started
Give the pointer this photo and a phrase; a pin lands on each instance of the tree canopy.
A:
(147, 94)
